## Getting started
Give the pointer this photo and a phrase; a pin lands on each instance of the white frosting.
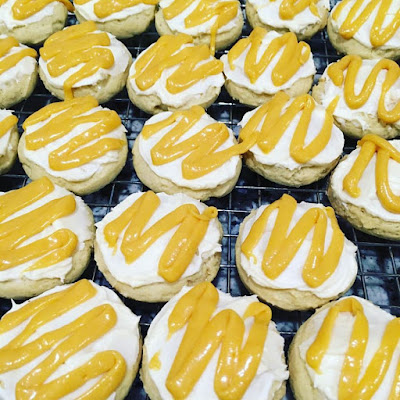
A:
(291, 277)
(368, 198)
(121, 60)
(86, 171)
(328, 381)
(268, 12)
(367, 111)
(363, 34)
(144, 270)
(159, 89)
(173, 170)
(78, 222)
(280, 155)
(5, 144)
(177, 24)
(123, 338)
(264, 83)
(272, 368)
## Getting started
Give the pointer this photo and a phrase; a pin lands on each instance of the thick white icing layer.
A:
(123, 338)
(86, 171)
(5, 144)
(159, 89)
(367, 111)
(177, 24)
(264, 83)
(280, 155)
(173, 170)
(368, 198)
(363, 34)
(78, 222)
(291, 277)
(121, 60)
(328, 381)
(272, 368)
(268, 12)
(144, 270)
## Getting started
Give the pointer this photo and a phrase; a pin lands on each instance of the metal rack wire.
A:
(378, 276)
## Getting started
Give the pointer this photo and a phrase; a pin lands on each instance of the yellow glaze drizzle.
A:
(168, 52)
(83, 148)
(108, 366)
(275, 121)
(380, 32)
(205, 333)
(294, 55)
(192, 226)
(224, 11)
(9, 61)
(15, 231)
(351, 385)
(290, 8)
(155, 362)
(283, 246)
(352, 64)
(105, 8)
(201, 148)
(7, 123)
(371, 144)
(75, 45)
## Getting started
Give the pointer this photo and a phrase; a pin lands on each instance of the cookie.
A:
(84, 61)
(174, 74)
(261, 65)
(151, 245)
(8, 140)
(76, 143)
(46, 238)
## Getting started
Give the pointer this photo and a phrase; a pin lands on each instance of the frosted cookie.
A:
(364, 187)
(174, 74)
(8, 140)
(296, 140)
(348, 349)
(259, 66)
(123, 19)
(73, 341)
(18, 71)
(304, 19)
(151, 245)
(46, 238)
(33, 21)
(363, 94)
(216, 23)
(369, 28)
(205, 344)
(188, 152)
(82, 60)
(295, 256)
(76, 143)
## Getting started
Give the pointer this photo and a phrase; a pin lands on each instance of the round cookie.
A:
(90, 339)
(333, 339)
(361, 114)
(283, 126)
(170, 348)
(355, 27)
(284, 266)
(173, 74)
(103, 73)
(85, 155)
(363, 188)
(282, 16)
(123, 20)
(18, 71)
(47, 239)
(9, 137)
(151, 245)
(256, 70)
(217, 24)
(32, 21)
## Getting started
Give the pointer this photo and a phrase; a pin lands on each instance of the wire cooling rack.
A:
(378, 260)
